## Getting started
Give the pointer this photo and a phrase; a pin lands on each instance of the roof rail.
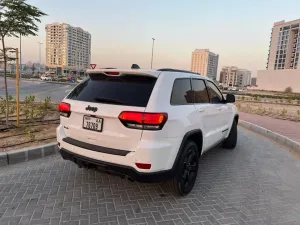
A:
(175, 70)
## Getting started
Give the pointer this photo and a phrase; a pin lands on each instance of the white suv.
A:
(147, 125)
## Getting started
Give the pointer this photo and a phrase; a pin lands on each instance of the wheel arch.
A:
(193, 135)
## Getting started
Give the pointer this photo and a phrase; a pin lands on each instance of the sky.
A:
(122, 30)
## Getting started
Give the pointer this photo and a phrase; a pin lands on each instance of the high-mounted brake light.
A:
(64, 109)
(113, 73)
(143, 121)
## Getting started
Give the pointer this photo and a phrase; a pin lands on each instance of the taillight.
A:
(143, 121)
(64, 109)
(143, 166)
(113, 73)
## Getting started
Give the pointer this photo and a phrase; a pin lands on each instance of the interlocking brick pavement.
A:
(257, 183)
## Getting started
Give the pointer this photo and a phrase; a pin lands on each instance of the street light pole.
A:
(152, 51)
(40, 55)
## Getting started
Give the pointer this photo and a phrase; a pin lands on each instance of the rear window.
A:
(127, 90)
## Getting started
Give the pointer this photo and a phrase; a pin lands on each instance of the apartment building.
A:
(67, 47)
(205, 63)
(284, 46)
(231, 76)
(283, 69)
(253, 81)
(243, 78)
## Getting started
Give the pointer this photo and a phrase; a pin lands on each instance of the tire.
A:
(231, 140)
(186, 175)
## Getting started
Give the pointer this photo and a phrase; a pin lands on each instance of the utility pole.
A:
(152, 51)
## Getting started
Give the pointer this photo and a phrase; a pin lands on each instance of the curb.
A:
(26, 154)
(65, 83)
(270, 134)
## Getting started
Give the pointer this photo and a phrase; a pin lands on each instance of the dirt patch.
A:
(279, 111)
(38, 123)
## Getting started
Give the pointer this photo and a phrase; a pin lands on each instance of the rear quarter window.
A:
(130, 90)
(182, 93)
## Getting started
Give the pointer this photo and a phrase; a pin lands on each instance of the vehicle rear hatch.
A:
(97, 102)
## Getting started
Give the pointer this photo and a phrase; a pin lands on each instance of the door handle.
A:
(201, 110)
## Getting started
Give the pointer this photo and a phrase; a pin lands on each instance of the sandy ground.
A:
(30, 133)
(281, 111)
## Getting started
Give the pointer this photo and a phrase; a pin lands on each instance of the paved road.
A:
(286, 128)
(257, 183)
(38, 88)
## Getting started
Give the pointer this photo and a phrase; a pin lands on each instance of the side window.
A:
(199, 88)
(182, 93)
(214, 93)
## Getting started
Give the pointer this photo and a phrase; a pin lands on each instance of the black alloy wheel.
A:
(186, 177)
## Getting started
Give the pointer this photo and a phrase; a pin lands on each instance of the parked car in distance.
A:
(46, 78)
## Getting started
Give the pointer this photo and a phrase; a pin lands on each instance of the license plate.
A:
(92, 123)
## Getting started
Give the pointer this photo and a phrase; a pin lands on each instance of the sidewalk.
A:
(286, 128)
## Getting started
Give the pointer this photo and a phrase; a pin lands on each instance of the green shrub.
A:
(29, 107)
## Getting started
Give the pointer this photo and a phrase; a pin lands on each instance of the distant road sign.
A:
(73, 80)
(93, 66)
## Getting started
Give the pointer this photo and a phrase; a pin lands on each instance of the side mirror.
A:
(230, 98)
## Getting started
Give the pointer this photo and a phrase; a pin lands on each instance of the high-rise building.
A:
(284, 46)
(233, 76)
(253, 81)
(283, 69)
(243, 78)
(205, 63)
(67, 47)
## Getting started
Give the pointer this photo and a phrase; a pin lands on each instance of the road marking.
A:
(67, 90)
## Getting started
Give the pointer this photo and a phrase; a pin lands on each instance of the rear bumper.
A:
(160, 153)
(123, 171)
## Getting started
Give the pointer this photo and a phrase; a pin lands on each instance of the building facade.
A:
(243, 78)
(67, 47)
(205, 63)
(284, 46)
(232, 76)
(283, 58)
(253, 81)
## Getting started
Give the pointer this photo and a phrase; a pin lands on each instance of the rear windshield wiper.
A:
(108, 100)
